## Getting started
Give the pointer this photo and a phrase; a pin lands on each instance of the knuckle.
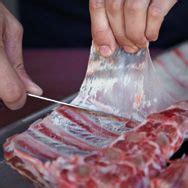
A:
(115, 6)
(155, 12)
(121, 40)
(103, 37)
(134, 6)
(19, 67)
(96, 4)
(99, 34)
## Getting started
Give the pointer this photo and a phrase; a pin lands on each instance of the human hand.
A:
(130, 24)
(14, 81)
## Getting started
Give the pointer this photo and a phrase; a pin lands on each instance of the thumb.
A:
(30, 86)
(13, 45)
(12, 90)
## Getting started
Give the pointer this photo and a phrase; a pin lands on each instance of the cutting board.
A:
(10, 178)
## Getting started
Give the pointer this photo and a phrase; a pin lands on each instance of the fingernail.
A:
(35, 89)
(105, 51)
(129, 49)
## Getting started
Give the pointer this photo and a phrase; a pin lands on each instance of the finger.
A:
(12, 90)
(156, 13)
(116, 18)
(135, 21)
(13, 46)
(101, 32)
(30, 86)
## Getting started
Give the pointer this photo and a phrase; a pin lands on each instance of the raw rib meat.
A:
(64, 133)
(175, 176)
(72, 148)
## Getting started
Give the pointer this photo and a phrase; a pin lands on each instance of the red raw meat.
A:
(64, 133)
(174, 176)
(73, 148)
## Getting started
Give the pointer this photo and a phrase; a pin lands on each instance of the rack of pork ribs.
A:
(73, 148)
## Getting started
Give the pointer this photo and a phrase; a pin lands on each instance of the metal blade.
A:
(51, 100)
(63, 103)
(71, 105)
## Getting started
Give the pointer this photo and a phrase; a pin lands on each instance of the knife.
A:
(73, 106)
(51, 100)
(65, 104)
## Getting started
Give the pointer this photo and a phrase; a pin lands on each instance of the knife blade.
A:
(63, 103)
(51, 100)
(73, 106)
